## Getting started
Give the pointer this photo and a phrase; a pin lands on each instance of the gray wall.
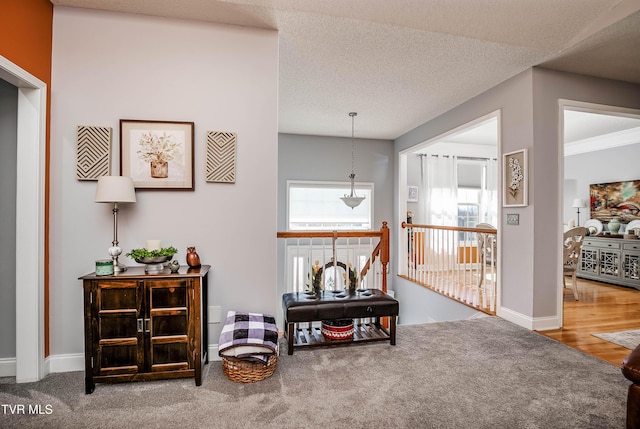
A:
(513, 97)
(8, 150)
(602, 166)
(548, 88)
(329, 159)
(227, 80)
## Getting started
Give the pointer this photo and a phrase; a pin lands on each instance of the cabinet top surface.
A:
(137, 272)
(604, 238)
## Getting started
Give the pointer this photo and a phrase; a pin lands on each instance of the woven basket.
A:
(242, 371)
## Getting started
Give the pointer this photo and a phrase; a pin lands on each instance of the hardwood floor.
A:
(601, 308)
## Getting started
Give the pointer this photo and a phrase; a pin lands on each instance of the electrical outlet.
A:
(214, 313)
(513, 219)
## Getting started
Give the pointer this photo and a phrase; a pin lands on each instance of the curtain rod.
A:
(465, 158)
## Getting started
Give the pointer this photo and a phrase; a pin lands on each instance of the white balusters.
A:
(462, 268)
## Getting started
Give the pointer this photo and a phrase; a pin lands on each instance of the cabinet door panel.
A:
(609, 263)
(120, 348)
(631, 266)
(118, 296)
(118, 359)
(169, 313)
(169, 294)
(118, 325)
(174, 353)
(163, 324)
(589, 261)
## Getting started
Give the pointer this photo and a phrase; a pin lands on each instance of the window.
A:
(317, 206)
(470, 181)
(468, 209)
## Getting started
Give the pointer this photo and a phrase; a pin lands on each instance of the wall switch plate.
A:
(214, 313)
(513, 219)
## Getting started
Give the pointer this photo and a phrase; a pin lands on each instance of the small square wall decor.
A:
(221, 157)
(93, 152)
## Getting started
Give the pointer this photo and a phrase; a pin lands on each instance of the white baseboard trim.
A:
(75, 362)
(8, 367)
(66, 363)
(546, 323)
(532, 323)
(213, 353)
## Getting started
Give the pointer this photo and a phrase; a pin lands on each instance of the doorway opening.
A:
(469, 154)
(30, 215)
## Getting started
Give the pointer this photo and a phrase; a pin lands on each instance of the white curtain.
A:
(489, 195)
(440, 184)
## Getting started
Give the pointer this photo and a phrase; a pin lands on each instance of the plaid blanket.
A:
(251, 336)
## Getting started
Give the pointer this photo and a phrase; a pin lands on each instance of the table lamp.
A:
(578, 204)
(115, 189)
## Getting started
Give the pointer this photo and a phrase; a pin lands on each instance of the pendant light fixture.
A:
(352, 200)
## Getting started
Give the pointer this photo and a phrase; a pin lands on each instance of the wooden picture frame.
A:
(157, 154)
(515, 181)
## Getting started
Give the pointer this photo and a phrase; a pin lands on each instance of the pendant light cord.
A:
(353, 115)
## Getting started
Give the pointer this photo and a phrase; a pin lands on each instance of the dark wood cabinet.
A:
(145, 326)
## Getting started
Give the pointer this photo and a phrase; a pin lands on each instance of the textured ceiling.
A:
(401, 63)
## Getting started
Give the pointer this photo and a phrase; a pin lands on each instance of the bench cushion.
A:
(332, 305)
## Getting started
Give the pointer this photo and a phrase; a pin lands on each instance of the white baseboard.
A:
(213, 353)
(8, 367)
(66, 363)
(532, 323)
(75, 362)
(546, 323)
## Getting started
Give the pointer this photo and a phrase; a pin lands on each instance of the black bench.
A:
(303, 307)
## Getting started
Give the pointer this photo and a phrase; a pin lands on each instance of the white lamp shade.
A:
(115, 189)
(579, 203)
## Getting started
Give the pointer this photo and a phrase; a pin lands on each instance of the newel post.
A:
(384, 254)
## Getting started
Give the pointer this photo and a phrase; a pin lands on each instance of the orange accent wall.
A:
(26, 28)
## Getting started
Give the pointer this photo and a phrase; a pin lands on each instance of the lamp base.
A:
(118, 267)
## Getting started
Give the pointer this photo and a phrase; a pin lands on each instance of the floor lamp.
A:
(578, 204)
(115, 189)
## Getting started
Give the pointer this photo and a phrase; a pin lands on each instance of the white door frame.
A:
(30, 220)
(563, 105)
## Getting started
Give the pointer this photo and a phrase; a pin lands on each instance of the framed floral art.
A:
(157, 154)
(515, 183)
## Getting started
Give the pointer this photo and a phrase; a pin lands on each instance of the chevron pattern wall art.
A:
(221, 157)
(93, 152)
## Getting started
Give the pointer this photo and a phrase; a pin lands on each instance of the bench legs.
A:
(392, 330)
(290, 333)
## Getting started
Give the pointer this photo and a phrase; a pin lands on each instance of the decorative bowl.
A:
(154, 260)
(154, 264)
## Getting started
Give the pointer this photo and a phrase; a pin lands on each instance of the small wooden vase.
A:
(193, 259)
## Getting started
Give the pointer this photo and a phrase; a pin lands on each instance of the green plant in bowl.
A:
(152, 256)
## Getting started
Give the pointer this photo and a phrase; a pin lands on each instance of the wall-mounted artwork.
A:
(93, 152)
(221, 157)
(619, 199)
(515, 182)
(412, 194)
(157, 154)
